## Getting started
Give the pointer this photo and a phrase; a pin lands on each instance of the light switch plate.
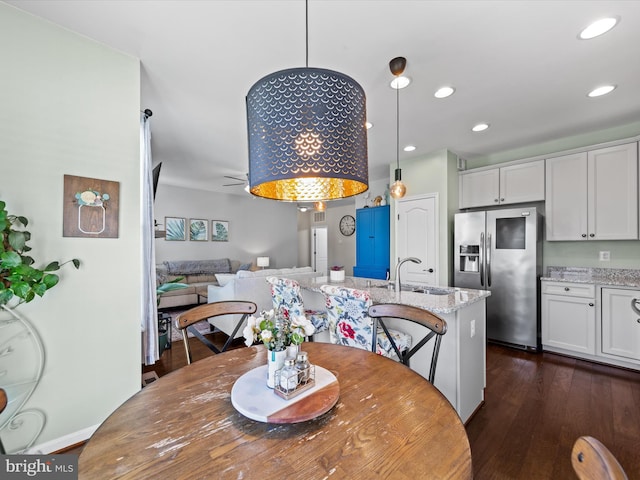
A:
(605, 256)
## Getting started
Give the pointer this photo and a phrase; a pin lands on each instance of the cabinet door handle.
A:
(584, 235)
(634, 305)
(592, 235)
(566, 289)
(591, 304)
(495, 200)
(502, 199)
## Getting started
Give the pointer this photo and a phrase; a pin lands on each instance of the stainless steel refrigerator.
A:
(501, 251)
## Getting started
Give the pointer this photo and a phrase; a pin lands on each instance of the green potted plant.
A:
(164, 319)
(18, 277)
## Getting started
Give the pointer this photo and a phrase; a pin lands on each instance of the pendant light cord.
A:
(306, 27)
(398, 127)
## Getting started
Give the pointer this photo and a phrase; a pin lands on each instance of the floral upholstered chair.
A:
(350, 324)
(285, 294)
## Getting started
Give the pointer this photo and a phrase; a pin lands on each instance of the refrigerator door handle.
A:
(481, 259)
(488, 260)
(634, 303)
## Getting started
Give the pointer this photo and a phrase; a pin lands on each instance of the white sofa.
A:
(252, 286)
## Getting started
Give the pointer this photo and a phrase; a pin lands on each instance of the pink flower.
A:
(346, 330)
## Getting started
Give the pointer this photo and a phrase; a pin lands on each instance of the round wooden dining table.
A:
(388, 422)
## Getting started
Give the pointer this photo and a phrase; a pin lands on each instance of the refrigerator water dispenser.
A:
(469, 258)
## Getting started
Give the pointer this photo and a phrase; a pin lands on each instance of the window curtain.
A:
(149, 300)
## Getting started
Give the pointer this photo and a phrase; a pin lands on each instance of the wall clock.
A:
(347, 225)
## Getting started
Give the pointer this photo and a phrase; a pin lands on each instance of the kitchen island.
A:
(460, 374)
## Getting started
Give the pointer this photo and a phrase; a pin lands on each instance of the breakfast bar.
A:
(461, 372)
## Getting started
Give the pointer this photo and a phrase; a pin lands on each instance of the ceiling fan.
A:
(240, 181)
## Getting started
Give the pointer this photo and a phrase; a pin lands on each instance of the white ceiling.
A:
(516, 65)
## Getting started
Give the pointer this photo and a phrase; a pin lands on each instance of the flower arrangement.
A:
(337, 268)
(277, 330)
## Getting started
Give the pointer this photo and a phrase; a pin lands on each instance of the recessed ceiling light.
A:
(409, 148)
(444, 92)
(598, 92)
(400, 82)
(368, 125)
(480, 127)
(598, 27)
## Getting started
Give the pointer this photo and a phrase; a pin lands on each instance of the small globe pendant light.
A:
(397, 66)
(307, 135)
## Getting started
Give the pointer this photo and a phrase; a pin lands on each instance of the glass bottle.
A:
(303, 366)
(288, 376)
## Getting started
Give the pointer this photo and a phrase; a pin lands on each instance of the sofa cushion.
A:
(224, 278)
(189, 267)
(201, 278)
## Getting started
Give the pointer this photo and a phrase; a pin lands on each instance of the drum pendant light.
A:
(307, 135)
(397, 66)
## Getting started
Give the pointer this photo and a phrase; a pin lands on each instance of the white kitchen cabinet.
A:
(621, 323)
(518, 183)
(593, 195)
(568, 317)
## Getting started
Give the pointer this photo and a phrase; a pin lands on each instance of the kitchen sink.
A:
(416, 289)
(432, 291)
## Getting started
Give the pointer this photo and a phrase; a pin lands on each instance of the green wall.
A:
(69, 105)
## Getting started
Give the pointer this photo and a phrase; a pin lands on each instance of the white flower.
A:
(266, 336)
(88, 197)
(302, 325)
(250, 330)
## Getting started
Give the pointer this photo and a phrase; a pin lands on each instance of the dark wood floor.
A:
(536, 405)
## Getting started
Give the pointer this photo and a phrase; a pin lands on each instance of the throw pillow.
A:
(245, 266)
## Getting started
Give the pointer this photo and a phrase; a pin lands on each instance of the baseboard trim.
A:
(62, 443)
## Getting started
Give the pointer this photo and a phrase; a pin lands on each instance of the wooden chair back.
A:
(591, 460)
(436, 326)
(208, 312)
(3, 404)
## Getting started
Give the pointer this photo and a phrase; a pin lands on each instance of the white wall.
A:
(257, 227)
(71, 106)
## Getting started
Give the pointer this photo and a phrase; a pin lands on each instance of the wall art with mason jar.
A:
(90, 207)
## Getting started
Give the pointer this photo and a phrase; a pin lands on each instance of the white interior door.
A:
(417, 236)
(319, 250)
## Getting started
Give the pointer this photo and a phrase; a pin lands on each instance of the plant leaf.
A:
(76, 263)
(5, 295)
(39, 289)
(17, 240)
(9, 259)
(50, 280)
(52, 267)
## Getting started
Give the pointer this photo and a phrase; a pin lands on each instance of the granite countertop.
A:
(456, 299)
(619, 277)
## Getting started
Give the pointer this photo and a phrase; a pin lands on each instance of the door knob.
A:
(430, 270)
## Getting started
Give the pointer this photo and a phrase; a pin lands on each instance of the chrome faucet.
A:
(400, 262)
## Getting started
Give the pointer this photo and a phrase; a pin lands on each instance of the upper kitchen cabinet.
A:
(517, 183)
(593, 195)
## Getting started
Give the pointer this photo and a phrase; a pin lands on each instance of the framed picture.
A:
(90, 207)
(198, 230)
(175, 227)
(219, 231)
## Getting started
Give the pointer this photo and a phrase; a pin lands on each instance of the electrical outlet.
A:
(473, 328)
(605, 256)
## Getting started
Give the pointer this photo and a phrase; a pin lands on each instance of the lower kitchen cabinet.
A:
(568, 317)
(621, 323)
